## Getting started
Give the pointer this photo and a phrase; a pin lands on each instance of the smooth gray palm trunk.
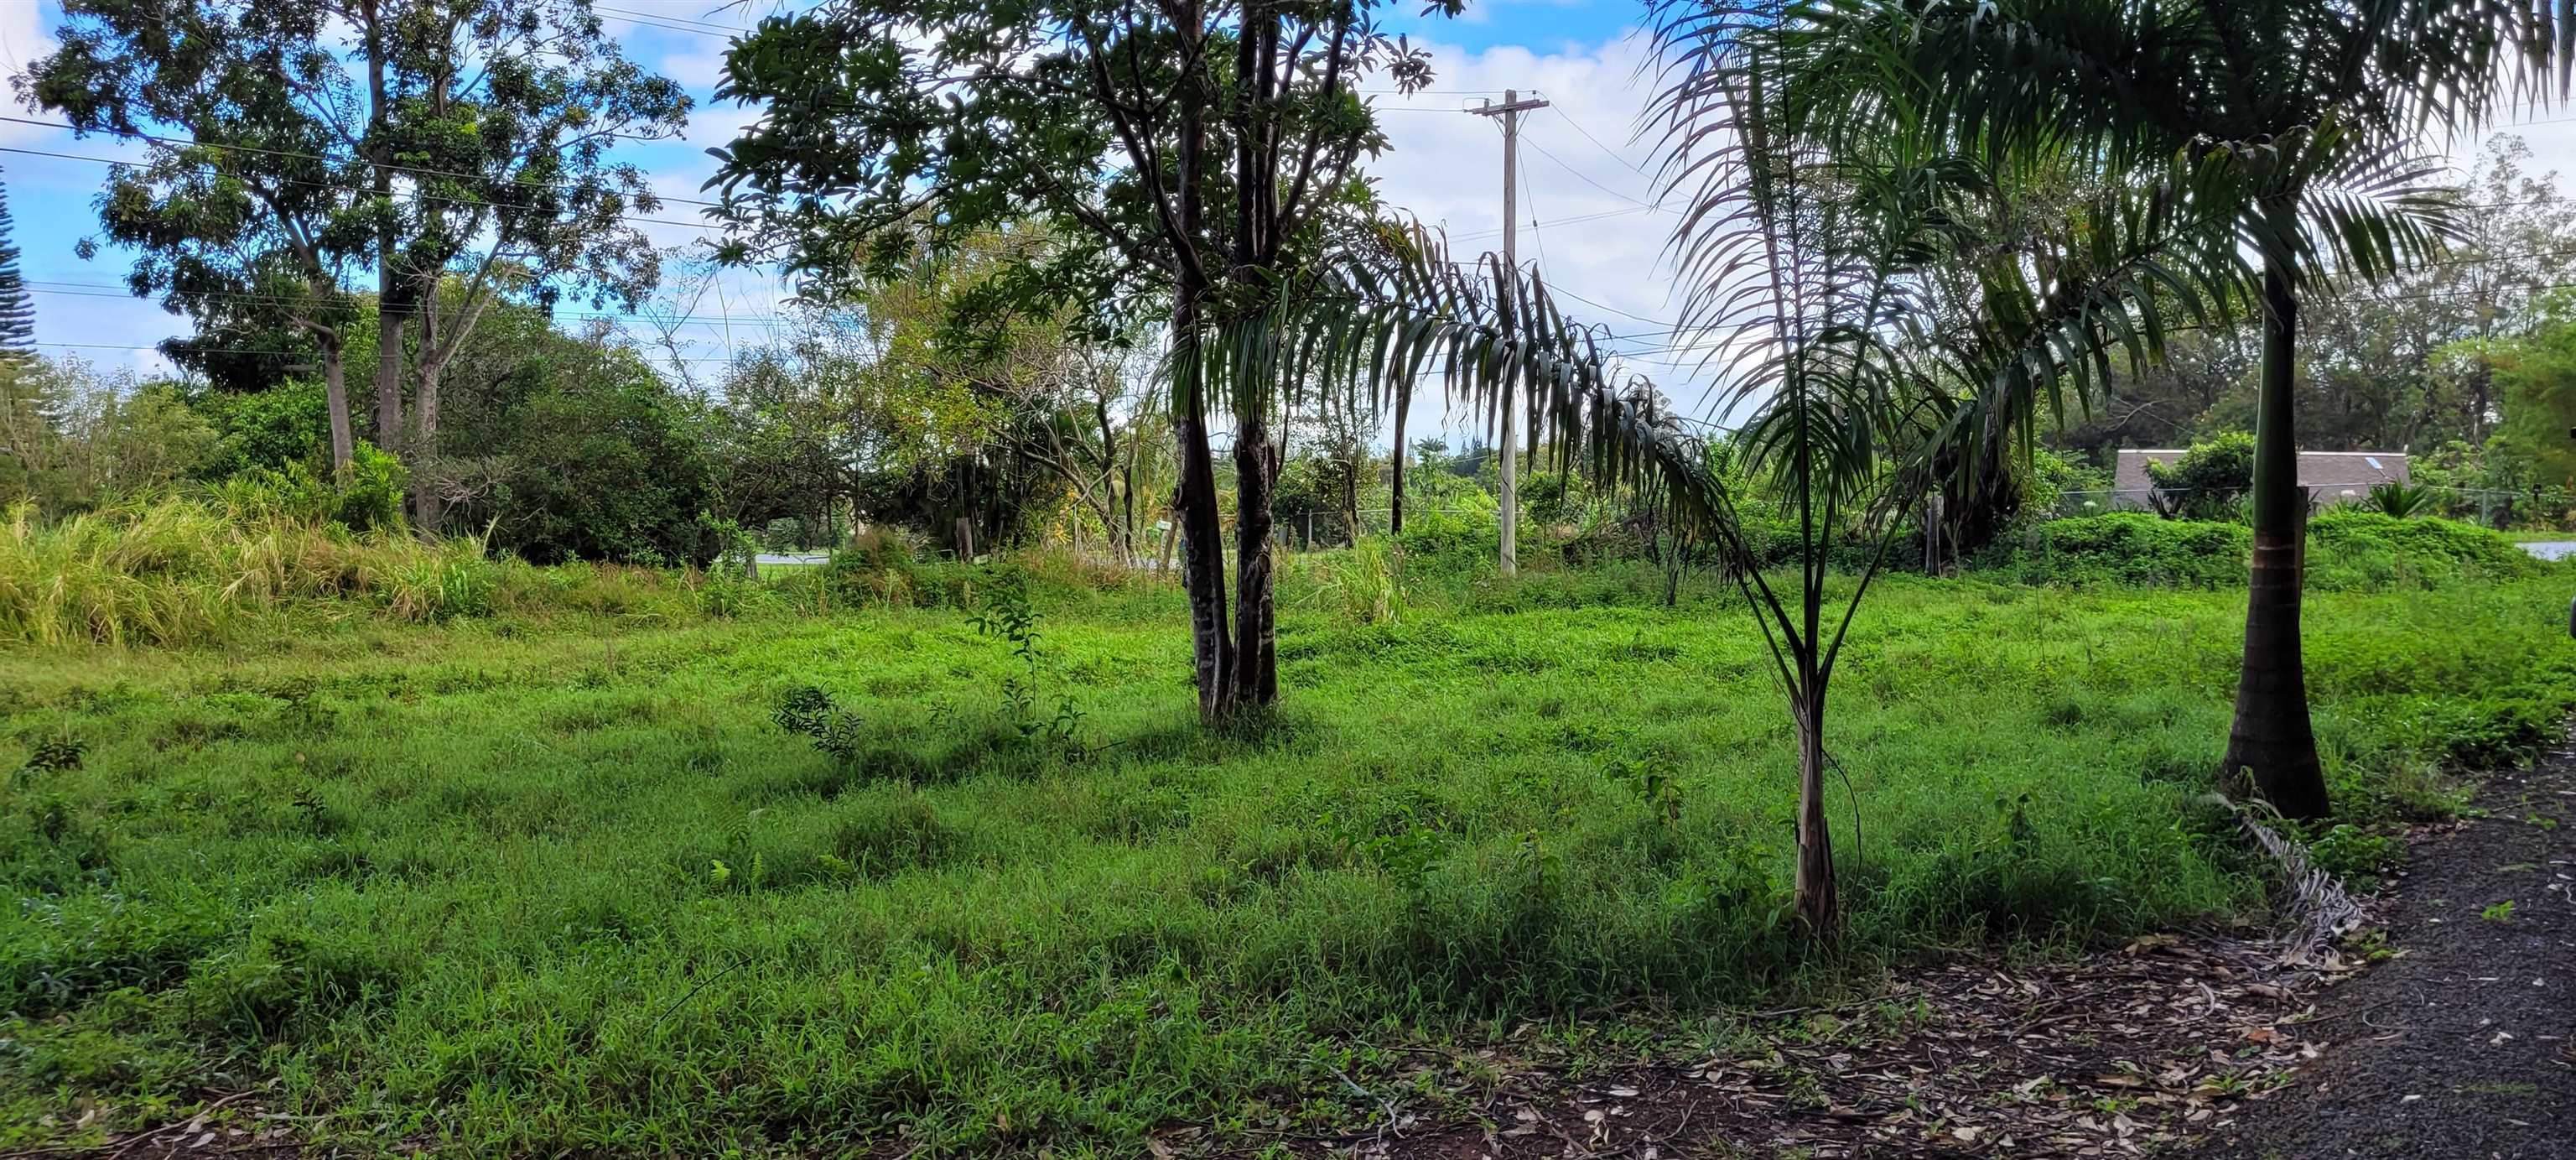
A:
(2272, 741)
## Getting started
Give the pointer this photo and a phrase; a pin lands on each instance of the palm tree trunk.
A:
(1202, 535)
(1256, 650)
(1814, 904)
(1395, 480)
(2272, 738)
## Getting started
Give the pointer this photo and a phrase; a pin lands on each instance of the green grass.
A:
(549, 885)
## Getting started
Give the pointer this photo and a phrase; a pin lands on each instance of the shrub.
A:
(880, 566)
(2133, 548)
(1452, 539)
(2399, 499)
(372, 500)
(2206, 482)
(2350, 548)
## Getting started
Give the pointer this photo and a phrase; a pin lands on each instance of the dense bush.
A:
(284, 425)
(579, 453)
(2348, 548)
(371, 500)
(2206, 482)
(2354, 548)
(1452, 539)
(2129, 548)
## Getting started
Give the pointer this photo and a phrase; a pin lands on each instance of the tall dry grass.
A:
(172, 570)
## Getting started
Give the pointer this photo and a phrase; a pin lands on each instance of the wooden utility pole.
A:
(1510, 499)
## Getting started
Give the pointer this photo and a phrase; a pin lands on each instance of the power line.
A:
(414, 195)
(693, 318)
(407, 170)
(1596, 142)
(1567, 221)
(1587, 180)
(264, 353)
(708, 27)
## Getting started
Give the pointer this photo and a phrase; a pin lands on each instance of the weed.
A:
(2346, 850)
(1654, 779)
(1007, 613)
(813, 714)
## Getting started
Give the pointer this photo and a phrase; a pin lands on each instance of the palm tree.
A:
(1810, 287)
(2322, 105)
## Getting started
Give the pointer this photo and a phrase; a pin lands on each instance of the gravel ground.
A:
(2464, 1046)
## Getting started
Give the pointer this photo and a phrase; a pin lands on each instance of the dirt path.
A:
(2464, 1047)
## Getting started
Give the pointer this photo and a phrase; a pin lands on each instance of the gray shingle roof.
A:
(2336, 476)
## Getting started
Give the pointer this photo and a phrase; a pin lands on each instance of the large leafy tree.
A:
(2534, 375)
(462, 148)
(254, 220)
(2322, 106)
(502, 122)
(1184, 154)
(569, 445)
(2375, 375)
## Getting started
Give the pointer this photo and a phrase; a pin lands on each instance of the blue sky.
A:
(1586, 213)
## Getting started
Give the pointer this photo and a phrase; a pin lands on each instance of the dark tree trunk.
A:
(1203, 569)
(1256, 651)
(1201, 528)
(2272, 739)
(1815, 904)
(1256, 458)
(1395, 480)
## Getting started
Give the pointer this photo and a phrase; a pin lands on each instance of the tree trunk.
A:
(1202, 529)
(1203, 568)
(428, 511)
(1815, 905)
(335, 398)
(1256, 650)
(2272, 739)
(1395, 482)
(1354, 455)
(390, 435)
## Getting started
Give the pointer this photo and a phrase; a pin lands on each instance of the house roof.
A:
(2331, 474)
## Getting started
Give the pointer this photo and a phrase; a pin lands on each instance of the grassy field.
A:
(537, 886)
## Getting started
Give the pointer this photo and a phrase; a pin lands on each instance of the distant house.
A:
(2333, 476)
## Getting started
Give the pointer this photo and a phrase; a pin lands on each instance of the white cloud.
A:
(22, 41)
